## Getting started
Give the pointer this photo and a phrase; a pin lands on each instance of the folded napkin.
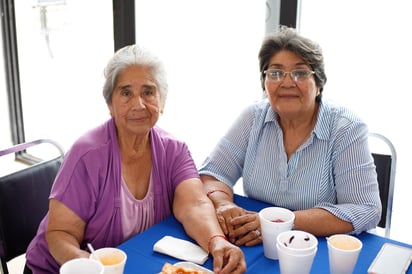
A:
(181, 249)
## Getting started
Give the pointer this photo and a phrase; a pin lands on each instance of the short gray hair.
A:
(134, 55)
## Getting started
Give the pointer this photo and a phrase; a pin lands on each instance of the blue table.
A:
(142, 258)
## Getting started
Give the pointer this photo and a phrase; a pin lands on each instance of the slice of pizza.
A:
(171, 269)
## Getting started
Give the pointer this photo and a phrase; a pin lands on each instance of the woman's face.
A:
(288, 98)
(135, 104)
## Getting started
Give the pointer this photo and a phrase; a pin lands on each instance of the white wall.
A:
(210, 49)
(367, 54)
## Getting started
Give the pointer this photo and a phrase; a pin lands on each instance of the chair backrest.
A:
(24, 202)
(385, 168)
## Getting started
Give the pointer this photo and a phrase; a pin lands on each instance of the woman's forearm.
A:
(216, 191)
(320, 222)
(64, 247)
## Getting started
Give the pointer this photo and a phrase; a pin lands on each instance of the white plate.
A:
(193, 266)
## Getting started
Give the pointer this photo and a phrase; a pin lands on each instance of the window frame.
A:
(124, 34)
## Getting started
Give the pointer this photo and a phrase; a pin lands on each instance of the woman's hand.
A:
(240, 226)
(225, 213)
(227, 258)
(247, 229)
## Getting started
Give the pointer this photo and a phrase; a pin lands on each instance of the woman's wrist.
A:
(214, 238)
(219, 197)
(210, 192)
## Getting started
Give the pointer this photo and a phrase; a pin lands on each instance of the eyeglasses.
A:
(298, 75)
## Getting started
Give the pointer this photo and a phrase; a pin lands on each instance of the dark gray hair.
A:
(134, 55)
(286, 38)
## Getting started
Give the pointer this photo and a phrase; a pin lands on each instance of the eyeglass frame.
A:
(285, 73)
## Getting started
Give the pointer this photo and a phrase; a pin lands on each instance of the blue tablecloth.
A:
(142, 258)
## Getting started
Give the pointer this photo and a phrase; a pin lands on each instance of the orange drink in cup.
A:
(113, 259)
(343, 253)
(345, 242)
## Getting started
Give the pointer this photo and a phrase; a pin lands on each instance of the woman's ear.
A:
(110, 110)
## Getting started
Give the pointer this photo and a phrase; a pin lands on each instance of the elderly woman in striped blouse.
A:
(295, 150)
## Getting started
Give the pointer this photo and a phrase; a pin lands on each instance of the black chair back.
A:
(383, 169)
(24, 201)
(23, 204)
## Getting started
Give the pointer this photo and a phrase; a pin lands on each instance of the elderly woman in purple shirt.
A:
(125, 175)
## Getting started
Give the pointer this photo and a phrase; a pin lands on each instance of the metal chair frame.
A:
(386, 181)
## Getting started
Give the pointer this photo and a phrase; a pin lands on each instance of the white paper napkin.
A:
(181, 249)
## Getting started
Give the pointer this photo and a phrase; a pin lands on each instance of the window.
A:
(63, 47)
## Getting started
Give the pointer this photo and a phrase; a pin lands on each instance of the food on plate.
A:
(171, 269)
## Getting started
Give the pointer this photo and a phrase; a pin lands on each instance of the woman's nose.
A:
(288, 80)
(138, 101)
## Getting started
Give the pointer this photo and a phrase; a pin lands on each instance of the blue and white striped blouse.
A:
(333, 169)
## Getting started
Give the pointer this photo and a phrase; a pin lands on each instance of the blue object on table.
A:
(142, 258)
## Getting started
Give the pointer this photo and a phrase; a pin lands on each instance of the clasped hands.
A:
(240, 226)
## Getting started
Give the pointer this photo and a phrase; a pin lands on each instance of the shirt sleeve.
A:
(226, 161)
(355, 179)
(183, 165)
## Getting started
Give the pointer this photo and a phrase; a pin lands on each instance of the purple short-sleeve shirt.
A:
(89, 183)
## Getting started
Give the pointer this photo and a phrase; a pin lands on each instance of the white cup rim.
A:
(96, 262)
(341, 249)
(282, 210)
(296, 250)
(114, 249)
(307, 253)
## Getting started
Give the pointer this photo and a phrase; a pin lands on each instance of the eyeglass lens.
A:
(298, 75)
